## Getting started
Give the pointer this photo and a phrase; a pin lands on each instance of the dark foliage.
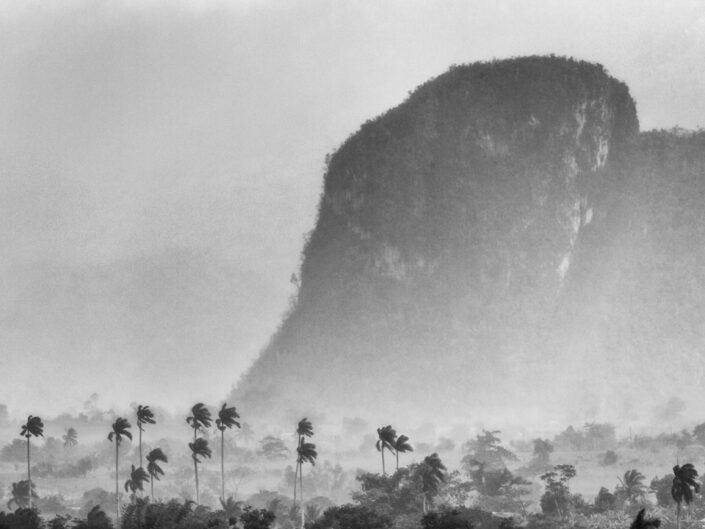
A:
(352, 517)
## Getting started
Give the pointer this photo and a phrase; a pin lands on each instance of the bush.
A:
(351, 517)
(21, 519)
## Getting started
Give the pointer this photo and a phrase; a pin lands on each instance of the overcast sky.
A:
(161, 161)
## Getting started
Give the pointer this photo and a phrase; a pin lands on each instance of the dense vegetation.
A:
(494, 485)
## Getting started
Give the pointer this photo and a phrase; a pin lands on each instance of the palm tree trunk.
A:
(384, 473)
(397, 454)
(117, 490)
(140, 446)
(222, 462)
(29, 478)
(151, 487)
(678, 515)
(301, 490)
(424, 504)
(296, 478)
(195, 466)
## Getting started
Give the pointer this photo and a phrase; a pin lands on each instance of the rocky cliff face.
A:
(470, 252)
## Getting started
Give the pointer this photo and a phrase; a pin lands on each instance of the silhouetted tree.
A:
(21, 495)
(34, 427)
(386, 438)
(227, 418)
(144, 416)
(303, 429)
(432, 473)
(154, 457)
(306, 453)
(121, 428)
(401, 444)
(138, 477)
(683, 488)
(70, 438)
(631, 486)
(199, 449)
(199, 420)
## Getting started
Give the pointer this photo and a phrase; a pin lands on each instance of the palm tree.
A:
(431, 472)
(227, 418)
(34, 427)
(199, 448)
(153, 459)
(138, 477)
(70, 438)
(631, 486)
(387, 437)
(200, 419)
(303, 429)
(306, 452)
(121, 428)
(684, 483)
(401, 444)
(144, 416)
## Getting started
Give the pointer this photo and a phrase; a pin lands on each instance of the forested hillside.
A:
(483, 244)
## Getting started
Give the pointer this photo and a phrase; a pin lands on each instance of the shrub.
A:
(351, 517)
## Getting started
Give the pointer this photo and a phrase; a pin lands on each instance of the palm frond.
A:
(304, 428)
(227, 417)
(144, 416)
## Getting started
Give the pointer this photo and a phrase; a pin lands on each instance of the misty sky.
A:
(160, 162)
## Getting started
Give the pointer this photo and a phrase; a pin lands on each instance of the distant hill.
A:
(503, 243)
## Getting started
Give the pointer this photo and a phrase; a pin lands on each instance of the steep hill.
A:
(503, 242)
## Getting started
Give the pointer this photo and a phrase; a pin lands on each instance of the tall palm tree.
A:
(70, 438)
(432, 472)
(121, 428)
(683, 488)
(155, 457)
(199, 420)
(227, 418)
(303, 429)
(144, 416)
(34, 427)
(199, 448)
(306, 453)
(631, 486)
(138, 477)
(401, 444)
(387, 437)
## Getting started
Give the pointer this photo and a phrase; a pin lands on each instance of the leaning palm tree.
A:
(144, 416)
(199, 448)
(303, 429)
(155, 457)
(387, 437)
(34, 427)
(683, 488)
(138, 477)
(199, 420)
(306, 453)
(401, 444)
(70, 438)
(432, 473)
(631, 486)
(227, 418)
(121, 428)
